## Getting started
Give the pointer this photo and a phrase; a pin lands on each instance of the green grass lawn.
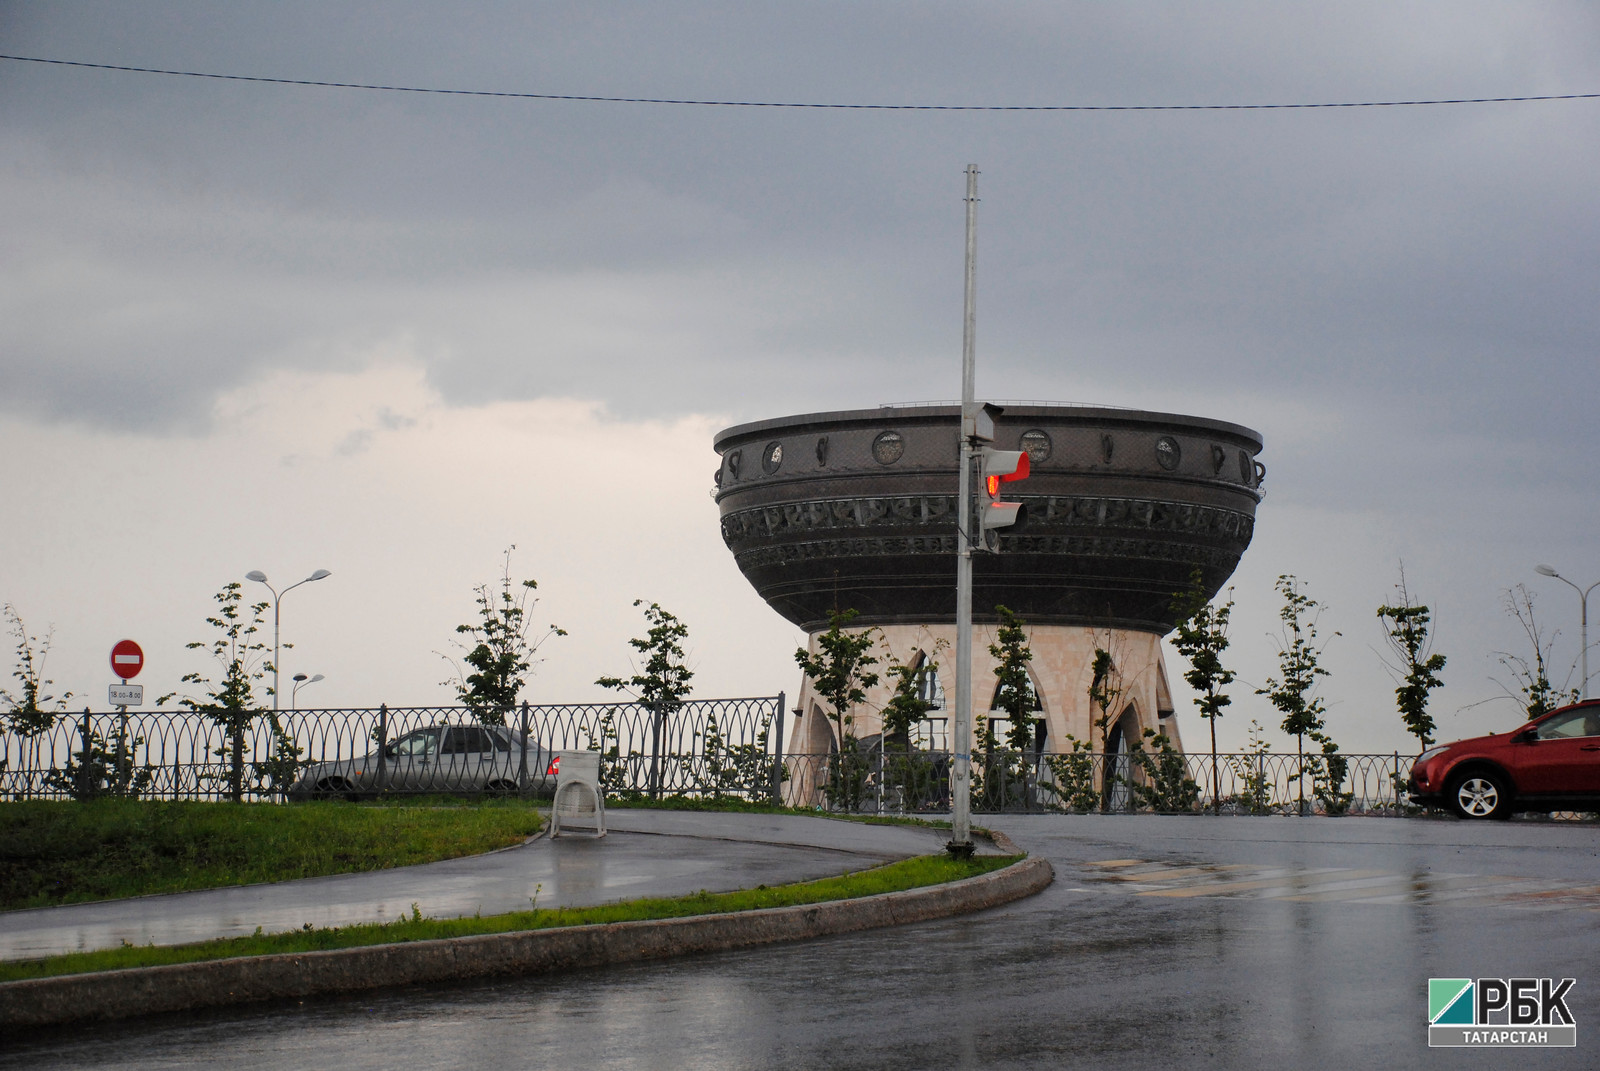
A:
(64, 852)
(907, 874)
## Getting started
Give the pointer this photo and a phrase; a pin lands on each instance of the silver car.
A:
(441, 758)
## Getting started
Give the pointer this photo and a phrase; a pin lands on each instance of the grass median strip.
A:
(66, 852)
(735, 805)
(894, 877)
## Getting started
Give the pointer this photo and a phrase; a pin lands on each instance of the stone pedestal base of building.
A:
(1062, 671)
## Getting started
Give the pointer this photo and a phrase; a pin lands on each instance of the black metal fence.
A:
(1085, 781)
(705, 748)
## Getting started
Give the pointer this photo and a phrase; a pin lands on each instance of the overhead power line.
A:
(692, 102)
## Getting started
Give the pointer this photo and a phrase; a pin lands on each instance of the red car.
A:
(1551, 763)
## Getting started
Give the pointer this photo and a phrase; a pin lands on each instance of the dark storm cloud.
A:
(185, 235)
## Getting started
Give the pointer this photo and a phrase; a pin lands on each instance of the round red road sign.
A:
(126, 659)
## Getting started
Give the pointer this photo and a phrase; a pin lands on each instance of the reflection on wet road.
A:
(1345, 884)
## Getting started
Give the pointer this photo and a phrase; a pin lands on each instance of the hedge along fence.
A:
(717, 746)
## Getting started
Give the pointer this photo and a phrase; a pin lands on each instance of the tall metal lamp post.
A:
(277, 597)
(960, 845)
(1583, 621)
(294, 693)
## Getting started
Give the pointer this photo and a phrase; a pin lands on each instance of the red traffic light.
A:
(1001, 466)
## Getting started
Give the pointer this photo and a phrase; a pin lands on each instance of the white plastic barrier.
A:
(578, 793)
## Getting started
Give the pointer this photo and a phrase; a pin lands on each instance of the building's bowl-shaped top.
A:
(857, 510)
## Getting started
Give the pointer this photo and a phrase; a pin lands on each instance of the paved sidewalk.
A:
(648, 853)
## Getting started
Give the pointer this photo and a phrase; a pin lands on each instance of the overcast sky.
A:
(248, 326)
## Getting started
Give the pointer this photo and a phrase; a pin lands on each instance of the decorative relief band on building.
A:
(800, 518)
(1111, 547)
(884, 546)
(945, 546)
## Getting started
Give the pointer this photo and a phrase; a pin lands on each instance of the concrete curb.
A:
(1003, 842)
(179, 987)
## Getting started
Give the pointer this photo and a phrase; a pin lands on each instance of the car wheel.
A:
(1479, 794)
(500, 789)
(333, 788)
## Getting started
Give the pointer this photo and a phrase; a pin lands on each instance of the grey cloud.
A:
(173, 239)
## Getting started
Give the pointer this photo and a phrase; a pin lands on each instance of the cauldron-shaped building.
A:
(857, 510)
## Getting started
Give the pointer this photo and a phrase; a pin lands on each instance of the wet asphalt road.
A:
(1164, 942)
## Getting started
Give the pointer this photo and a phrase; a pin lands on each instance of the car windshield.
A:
(1572, 723)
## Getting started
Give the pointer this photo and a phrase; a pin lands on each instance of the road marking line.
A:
(1348, 890)
(1162, 875)
(1223, 888)
(1494, 892)
(1340, 884)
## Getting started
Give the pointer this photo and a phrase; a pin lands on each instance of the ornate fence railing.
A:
(713, 747)
(1087, 782)
(704, 746)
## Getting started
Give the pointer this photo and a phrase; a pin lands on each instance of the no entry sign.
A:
(126, 659)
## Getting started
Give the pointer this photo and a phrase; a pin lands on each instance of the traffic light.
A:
(999, 467)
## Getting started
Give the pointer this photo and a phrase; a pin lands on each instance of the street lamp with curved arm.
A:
(299, 679)
(277, 597)
(1583, 621)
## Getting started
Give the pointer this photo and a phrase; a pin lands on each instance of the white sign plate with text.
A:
(127, 695)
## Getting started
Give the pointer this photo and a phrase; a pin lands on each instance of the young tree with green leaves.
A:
(1167, 787)
(1015, 693)
(1328, 773)
(1105, 687)
(1072, 780)
(501, 647)
(229, 701)
(1016, 699)
(1201, 636)
(1530, 678)
(905, 708)
(1251, 768)
(32, 711)
(1293, 690)
(1105, 692)
(1406, 625)
(101, 766)
(661, 684)
(906, 705)
(841, 672)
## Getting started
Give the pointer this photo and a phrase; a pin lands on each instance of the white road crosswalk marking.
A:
(1174, 880)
